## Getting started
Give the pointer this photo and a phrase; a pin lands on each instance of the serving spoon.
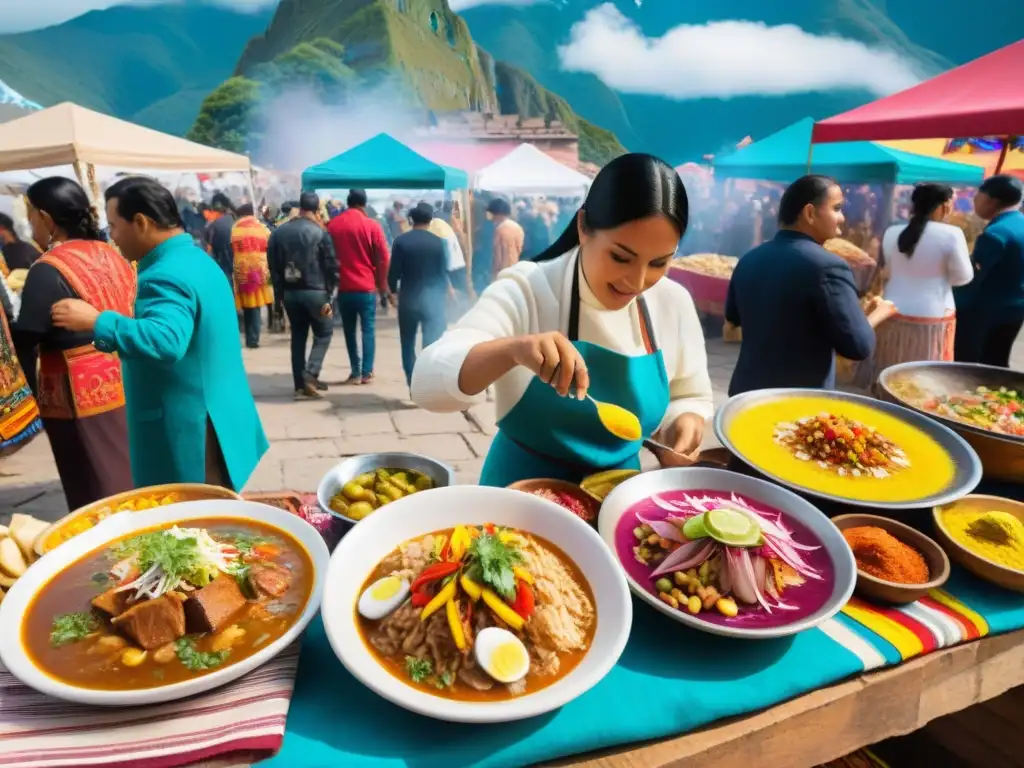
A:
(617, 420)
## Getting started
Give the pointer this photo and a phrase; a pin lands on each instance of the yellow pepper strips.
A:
(455, 624)
(523, 575)
(501, 610)
(447, 593)
(460, 542)
(470, 587)
(508, 537)
(439, 543)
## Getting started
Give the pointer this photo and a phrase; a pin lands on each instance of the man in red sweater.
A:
(363, 262)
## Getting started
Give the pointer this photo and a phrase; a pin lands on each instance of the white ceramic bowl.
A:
(12, 610)
(647, 484)
(375, 537)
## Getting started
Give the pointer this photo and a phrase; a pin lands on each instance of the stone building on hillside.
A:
(549, 136)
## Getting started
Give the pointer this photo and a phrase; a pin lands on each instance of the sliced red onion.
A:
(689, 555)
(742, 584)
(791, 557)
(663, 528)
(666, 505)
(747, 567)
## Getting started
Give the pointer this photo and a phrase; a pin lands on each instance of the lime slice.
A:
(694, 528)
(732, 527)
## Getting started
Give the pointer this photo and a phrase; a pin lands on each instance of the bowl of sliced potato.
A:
(17, 548)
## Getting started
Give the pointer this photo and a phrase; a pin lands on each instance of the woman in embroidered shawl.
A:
(78, 388)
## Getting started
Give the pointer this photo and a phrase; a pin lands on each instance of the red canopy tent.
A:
(981, 98)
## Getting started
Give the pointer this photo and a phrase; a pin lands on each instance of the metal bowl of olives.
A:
(361, 485)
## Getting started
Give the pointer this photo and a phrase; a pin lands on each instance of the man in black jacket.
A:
(16, 252)
(796, 302)
(304, 269)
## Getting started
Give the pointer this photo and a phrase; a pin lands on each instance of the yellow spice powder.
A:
(995, 536)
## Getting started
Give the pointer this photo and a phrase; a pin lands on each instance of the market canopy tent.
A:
(1013, 161)
(382, 162)
(984, 97)
(527, 169)
(783, 155)
(68, 134)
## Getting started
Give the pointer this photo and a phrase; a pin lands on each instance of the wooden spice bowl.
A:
(592, 505)
(983, 568)
(873, 588)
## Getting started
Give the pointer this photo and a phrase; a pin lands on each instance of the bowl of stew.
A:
(474, 604)
(163, 604)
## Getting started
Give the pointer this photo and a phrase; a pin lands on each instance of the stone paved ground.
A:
(308, 438)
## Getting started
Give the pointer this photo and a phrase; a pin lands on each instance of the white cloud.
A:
(26, 14)
(460, 5)
(722, 59)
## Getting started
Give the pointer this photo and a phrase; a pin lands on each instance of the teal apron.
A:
(547, 435)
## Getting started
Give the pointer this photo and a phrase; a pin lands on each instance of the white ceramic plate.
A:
(414, 516)
(12, 610)
(647, 484)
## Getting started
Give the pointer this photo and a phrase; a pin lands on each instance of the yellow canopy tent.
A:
(1014, 162)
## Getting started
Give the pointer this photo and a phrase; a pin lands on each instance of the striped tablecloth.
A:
(244, 720)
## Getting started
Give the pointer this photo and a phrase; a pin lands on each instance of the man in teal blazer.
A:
(990, 309)
(191, 414)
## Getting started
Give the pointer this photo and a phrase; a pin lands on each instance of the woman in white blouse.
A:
(592, 314)
(926, 258)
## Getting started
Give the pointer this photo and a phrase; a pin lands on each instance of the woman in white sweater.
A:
(926, 258)
(591, 315)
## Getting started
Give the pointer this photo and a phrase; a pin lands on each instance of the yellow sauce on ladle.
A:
(617, 420)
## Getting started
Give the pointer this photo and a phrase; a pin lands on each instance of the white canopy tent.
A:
(526, 170)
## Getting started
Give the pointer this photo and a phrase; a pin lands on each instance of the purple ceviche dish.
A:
(748, 565)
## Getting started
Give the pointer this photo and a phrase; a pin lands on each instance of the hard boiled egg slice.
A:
(382, 597)
(501, 655)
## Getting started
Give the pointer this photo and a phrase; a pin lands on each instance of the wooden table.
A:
(835, 721)
(831, 722)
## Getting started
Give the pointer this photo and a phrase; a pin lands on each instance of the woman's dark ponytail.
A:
(925, 200)
(67, 204)
(631, 187)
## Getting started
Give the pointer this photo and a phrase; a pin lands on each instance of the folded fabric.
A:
(245, 718)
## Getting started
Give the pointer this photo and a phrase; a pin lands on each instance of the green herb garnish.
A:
(195, 660)
(179, 559)
(445, 681)
(418, 669)
(492, 564)
(245, 542)
(72, 627)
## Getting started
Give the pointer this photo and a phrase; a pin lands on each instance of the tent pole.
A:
(1007, 140)
(467, 224)
(810, 156)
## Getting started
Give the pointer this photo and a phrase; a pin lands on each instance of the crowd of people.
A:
(139, 377)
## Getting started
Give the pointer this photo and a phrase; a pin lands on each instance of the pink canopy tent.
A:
(981, 98)
(468, 156)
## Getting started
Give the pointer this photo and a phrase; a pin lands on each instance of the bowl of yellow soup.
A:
(848, 448)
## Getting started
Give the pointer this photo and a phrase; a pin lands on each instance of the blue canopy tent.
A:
(783, 157)
(382, 162)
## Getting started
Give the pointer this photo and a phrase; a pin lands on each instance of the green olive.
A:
(355, 492)
(393, 492)
(423, 482)
(359, 510)
(338, 503)
(382, 475)
(382, 500)
(366, 480)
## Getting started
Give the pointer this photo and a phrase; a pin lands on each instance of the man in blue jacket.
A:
(990, 309)
(796, 302)
(191, 414)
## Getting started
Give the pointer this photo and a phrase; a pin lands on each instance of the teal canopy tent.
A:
(382, 162)
(783, 156)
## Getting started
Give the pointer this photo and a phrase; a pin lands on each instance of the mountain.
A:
(151, 65)
(406, 56)
(932, 39)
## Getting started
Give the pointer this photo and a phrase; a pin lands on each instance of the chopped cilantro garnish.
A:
(195, 660)
(444, 681)
(492, 563)
(72, 627)
(180, 559)
(418, 669)
(244, 542)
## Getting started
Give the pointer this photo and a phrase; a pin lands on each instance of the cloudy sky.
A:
(20, 15)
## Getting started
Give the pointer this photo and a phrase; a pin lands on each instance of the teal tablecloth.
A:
(671, 679)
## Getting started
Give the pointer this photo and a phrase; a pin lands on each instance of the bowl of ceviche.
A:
(476, 604)
(163, 604)
(984, 404)
(726, 553)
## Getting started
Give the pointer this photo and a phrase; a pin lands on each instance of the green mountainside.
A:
(419, 50)
(150, 65)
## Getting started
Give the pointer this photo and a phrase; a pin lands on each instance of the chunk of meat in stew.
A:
(211, 608)
(269, 580)
(112, 602)
(153, 623)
